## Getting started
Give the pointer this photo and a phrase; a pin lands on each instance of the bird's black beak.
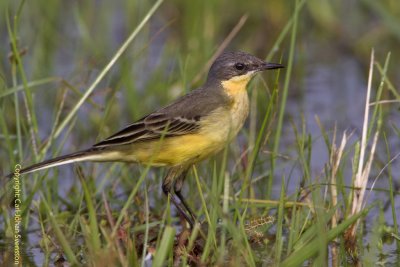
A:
(270, 66)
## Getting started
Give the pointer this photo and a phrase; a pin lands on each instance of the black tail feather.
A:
(66, 159)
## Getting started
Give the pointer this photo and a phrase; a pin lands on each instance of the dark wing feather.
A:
(179, 118)
(152, 127)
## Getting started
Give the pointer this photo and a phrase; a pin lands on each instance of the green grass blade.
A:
(31, 84)
(165, 247)
(279, 225)
(60, 235)
(284, 96)
(94, 228)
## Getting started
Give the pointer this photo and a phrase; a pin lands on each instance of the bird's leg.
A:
(178, 191)
(168, 189)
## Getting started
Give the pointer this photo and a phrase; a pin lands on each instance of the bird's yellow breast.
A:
(235, 88)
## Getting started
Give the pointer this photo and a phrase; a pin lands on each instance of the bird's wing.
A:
(179, 118)
(152, 127)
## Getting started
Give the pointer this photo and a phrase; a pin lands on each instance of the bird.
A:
(192, 128)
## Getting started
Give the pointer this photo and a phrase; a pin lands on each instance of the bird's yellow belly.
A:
(178, 150)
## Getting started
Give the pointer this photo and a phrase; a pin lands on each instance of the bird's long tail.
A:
(84, 155)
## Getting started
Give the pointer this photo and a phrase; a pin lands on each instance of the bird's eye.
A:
(239, 66)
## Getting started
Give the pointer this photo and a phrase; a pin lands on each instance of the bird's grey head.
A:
(238, 63)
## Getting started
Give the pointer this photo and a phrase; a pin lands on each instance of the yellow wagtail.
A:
(187, 131)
